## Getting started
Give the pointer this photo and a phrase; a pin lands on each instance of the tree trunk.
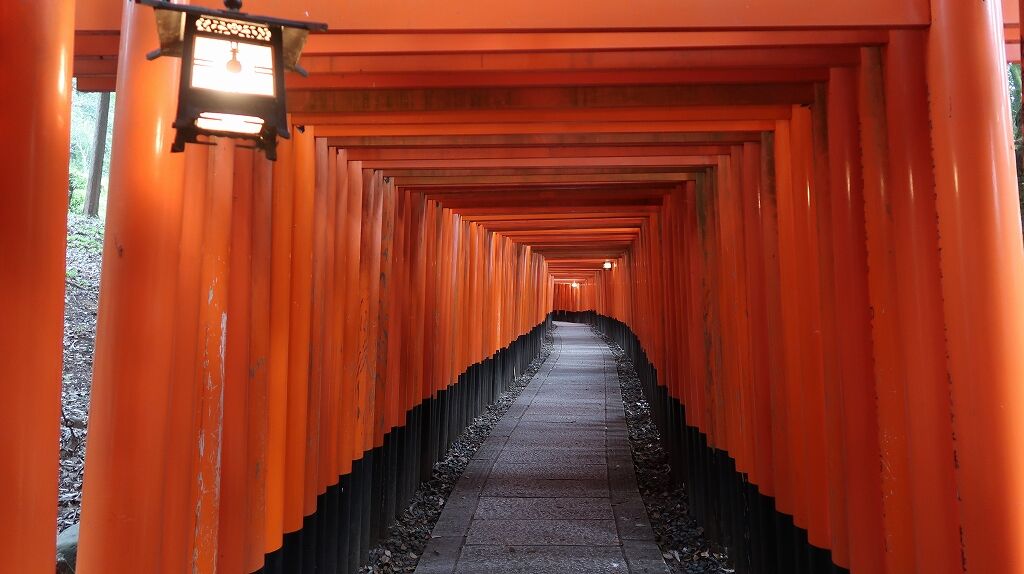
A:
(99, 149)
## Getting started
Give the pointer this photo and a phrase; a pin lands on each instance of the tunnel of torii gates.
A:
(810, 208)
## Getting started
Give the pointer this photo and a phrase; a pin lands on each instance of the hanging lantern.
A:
(232, 72)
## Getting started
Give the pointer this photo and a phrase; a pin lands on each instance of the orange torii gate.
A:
(811, 211)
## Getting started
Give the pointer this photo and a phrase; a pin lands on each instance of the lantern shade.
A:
(232, 74)
(293, 41)
(170, 26)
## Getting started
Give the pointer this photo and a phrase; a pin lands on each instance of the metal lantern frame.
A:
(178, 26)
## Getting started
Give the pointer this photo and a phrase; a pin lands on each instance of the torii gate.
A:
(905, 99)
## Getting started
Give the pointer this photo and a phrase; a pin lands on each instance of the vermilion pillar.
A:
(882, 272)
(178, 454)
(860, 419)
(295, 503)
(122, 502)
(277, 372)
(910, 219)
(36, 54)
(257, 399)
(982, 265)
(208, 430)
(830, 340)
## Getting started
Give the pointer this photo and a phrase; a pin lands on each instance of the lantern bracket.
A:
(170, 28)
(234, 15)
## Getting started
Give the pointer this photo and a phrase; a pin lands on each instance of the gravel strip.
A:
(678, 535)
(82, 282)
(408, 536)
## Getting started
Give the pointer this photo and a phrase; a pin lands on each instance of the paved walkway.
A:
(553, 489)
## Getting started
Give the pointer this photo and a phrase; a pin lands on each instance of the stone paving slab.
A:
(495, 508)
(579, 426)
(503, 559)
(540, 432)
(551, 455)
(550, 418)
(553, 489)
(546, 488)
(543, 471)
(543, 532)
(575, 442)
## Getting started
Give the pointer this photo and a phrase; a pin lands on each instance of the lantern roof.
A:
(170, 23)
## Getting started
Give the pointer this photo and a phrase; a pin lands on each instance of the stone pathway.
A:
(552, 490)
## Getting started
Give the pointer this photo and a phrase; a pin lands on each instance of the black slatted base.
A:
(734, 514)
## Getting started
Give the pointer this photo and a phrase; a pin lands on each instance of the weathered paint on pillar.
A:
(233, 520)
(207, 435)
(860, 426)
(882, 277)
(914, 234)
(982, 263)
(832, 401)
(179, 454)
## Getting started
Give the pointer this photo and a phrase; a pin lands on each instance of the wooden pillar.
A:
(123, 498)
(296, 505)
(982, 265)
(282, 206)
(761, 375)
(234, 522)
(333, 311)
(36, 114)
(736, 368)
(258, 397)
(913, 231)
(832, 407)
(352, 173)
(887, 346)
(207, 435)
(178, 454)
(811, 402)
(790, 453)
(315, 415)
(853, 320)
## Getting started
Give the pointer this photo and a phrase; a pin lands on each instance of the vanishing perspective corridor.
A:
(337, 233)
(553, 488)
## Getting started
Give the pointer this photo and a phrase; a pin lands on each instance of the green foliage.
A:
(86, 235)
(84, 114)
(1014, 74)
(76, 203)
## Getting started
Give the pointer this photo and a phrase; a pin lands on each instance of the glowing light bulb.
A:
(575, 285)
(607, 264)
(233, 67)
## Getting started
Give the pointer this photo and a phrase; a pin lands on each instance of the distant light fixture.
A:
(607, 264)
(232, 73)
(575, 285)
